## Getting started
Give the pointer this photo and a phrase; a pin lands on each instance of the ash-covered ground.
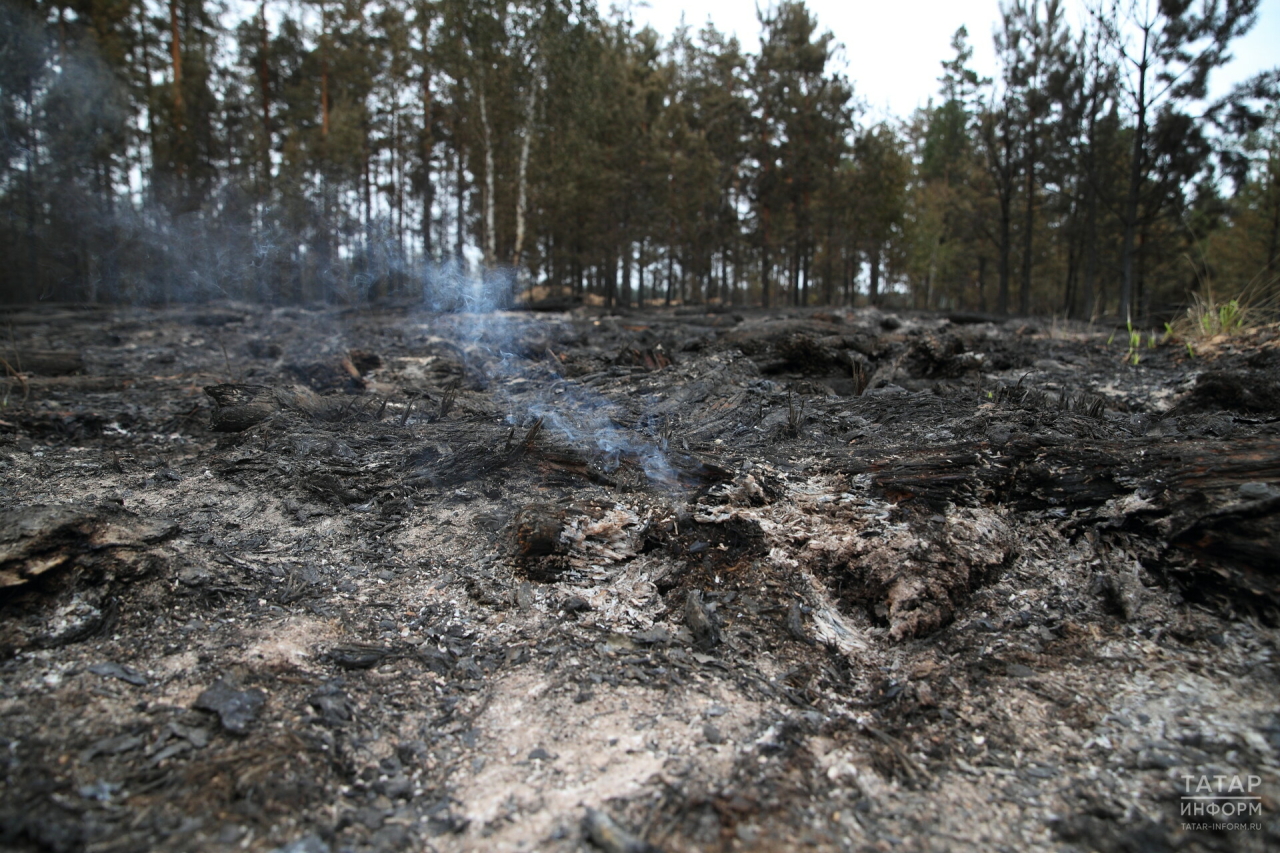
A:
(694, 580)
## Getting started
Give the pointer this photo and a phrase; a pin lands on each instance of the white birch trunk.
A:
(490, 236)
(522, 192)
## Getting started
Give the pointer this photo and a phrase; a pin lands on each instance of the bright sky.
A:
(892, 50)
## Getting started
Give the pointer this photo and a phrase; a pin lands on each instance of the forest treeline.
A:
(158, 150)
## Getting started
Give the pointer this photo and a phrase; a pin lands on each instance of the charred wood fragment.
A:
(1190, 492)
(536, 539)
(606, 834)
(795, 624)
(700, 621)
(237, 710)
(1238, 544)
(537, 530)
(35, 540)
(1234, 391)
(239, 406)
(1042, 472)
(358, 655)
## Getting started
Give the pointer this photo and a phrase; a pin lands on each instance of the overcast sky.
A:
(892, 50)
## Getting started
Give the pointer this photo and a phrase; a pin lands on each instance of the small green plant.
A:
(1257, 302)
(1191, 352)
(1230, 316)
(1134, 355)
(1208, 317)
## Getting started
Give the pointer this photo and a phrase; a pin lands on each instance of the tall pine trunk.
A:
(1005, 249)
(179, 103)
(1135, 187)
(1028, 227)
(624, 295)
(264, 83)
(873, 289)
(428, 146)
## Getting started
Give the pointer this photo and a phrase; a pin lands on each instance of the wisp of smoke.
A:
(581, 416)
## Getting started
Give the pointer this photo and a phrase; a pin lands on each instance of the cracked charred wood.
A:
(537, 530)
(1040, 472)
(1239, 543)
(35, 540)
(701, 623)
(1185, 494)
(239, 407)
(1243, 391)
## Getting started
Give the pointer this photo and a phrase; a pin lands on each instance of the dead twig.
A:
(861, 379)
(16, 374)
(795, 416)
(13, 345)
(530, 436)
(915, 773)
(446, 402)
(226, 360)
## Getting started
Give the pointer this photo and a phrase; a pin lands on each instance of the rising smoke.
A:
(579, 415)
(73, 234)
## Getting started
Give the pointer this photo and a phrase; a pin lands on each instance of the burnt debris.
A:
(714, 579)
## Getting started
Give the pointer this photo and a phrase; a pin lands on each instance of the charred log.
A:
(35, 540)
(1193, 485)
(42, 362)
(239, 407)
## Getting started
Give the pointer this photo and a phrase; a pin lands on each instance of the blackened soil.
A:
(826, 580)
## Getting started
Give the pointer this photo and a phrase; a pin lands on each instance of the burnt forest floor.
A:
(696, 580)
